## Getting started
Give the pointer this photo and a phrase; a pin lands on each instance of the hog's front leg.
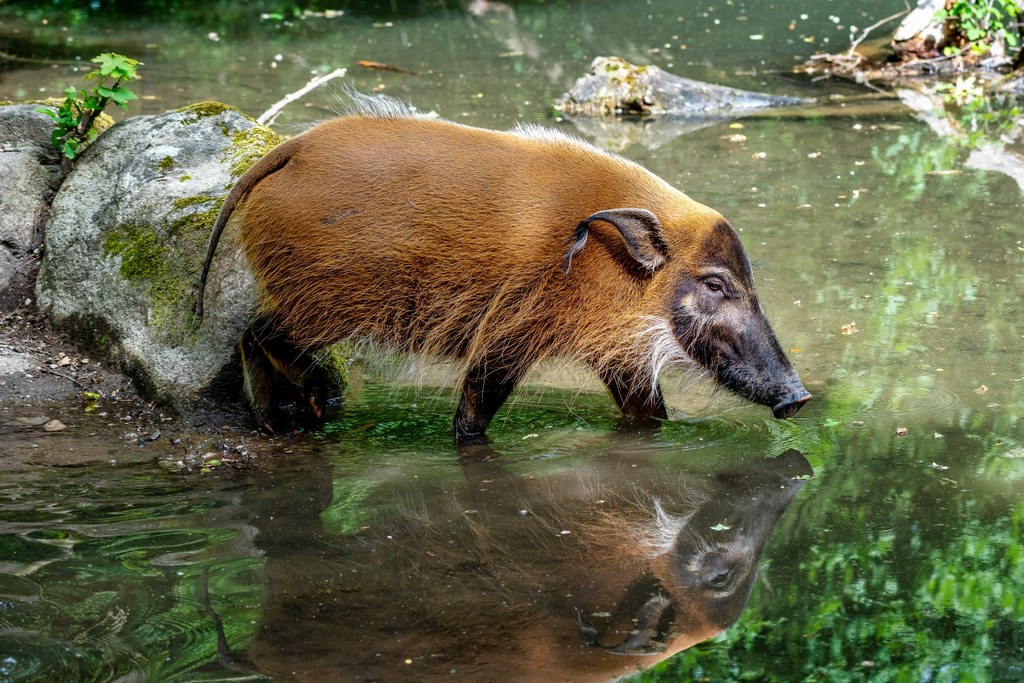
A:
(634, 394)
(484, 391)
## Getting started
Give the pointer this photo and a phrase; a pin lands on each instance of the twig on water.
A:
(268, 117)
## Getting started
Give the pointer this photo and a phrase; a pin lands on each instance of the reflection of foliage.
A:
(912, 157)
(978, 115)
(106, 584)
(209, 13)
(137, 618)
(975, 116)
(962, 91)
(889, 568)
(927, 587)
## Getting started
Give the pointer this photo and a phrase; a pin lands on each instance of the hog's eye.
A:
(713, 286)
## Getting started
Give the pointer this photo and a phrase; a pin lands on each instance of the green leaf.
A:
(49, 112)
(70, 148)
(117, 66)
(67, 119)
(121, 96)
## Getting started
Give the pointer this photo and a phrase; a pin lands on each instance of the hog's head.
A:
(702, 288)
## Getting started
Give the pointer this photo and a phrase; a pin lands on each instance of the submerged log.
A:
(614, 86)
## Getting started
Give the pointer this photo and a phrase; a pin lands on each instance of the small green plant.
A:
(75, 116)
(979, 21)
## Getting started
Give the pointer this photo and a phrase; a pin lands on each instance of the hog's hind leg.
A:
(258, 374)
(271, 363)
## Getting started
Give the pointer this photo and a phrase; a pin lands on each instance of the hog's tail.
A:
(274, 160)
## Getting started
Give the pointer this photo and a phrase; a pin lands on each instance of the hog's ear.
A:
(640, 229)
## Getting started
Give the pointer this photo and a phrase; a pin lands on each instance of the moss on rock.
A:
(334, 361)
(202, 110)
(250, 146)
(186, 202)
(166, 258)
(247, 146)
(167, 263)
(140, 250)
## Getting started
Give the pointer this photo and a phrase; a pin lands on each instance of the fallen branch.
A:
(268, 117)
(67, 377)
(869, 29)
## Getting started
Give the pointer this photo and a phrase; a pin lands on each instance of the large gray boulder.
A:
(126, 240)
(29, 176)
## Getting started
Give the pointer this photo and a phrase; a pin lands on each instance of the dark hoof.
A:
(314, 405)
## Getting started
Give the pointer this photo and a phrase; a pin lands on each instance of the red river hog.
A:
(498, 249)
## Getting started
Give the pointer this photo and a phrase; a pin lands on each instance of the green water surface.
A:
(889, 263)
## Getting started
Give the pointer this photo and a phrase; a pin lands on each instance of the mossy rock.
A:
(127, 238)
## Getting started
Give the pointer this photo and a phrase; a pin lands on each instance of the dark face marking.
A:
(722, 247)
(718, 321)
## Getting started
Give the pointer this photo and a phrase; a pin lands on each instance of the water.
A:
(890, 265)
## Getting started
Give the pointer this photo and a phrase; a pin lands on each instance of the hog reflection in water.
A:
(586, 575)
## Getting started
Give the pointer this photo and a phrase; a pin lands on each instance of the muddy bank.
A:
(51, 390)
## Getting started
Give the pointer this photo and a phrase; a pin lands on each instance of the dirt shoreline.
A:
(48, 385)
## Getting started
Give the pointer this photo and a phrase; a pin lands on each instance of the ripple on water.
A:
(707, 432)
(100, 573)
(924, 401)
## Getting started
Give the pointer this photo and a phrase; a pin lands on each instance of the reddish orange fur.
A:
(447, 240)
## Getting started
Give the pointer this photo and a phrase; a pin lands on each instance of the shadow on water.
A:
(590, 574)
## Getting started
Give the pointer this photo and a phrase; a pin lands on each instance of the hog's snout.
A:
(791, 405)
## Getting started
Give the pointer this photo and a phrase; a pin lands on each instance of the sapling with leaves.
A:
(978, 24)
(75, 117)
